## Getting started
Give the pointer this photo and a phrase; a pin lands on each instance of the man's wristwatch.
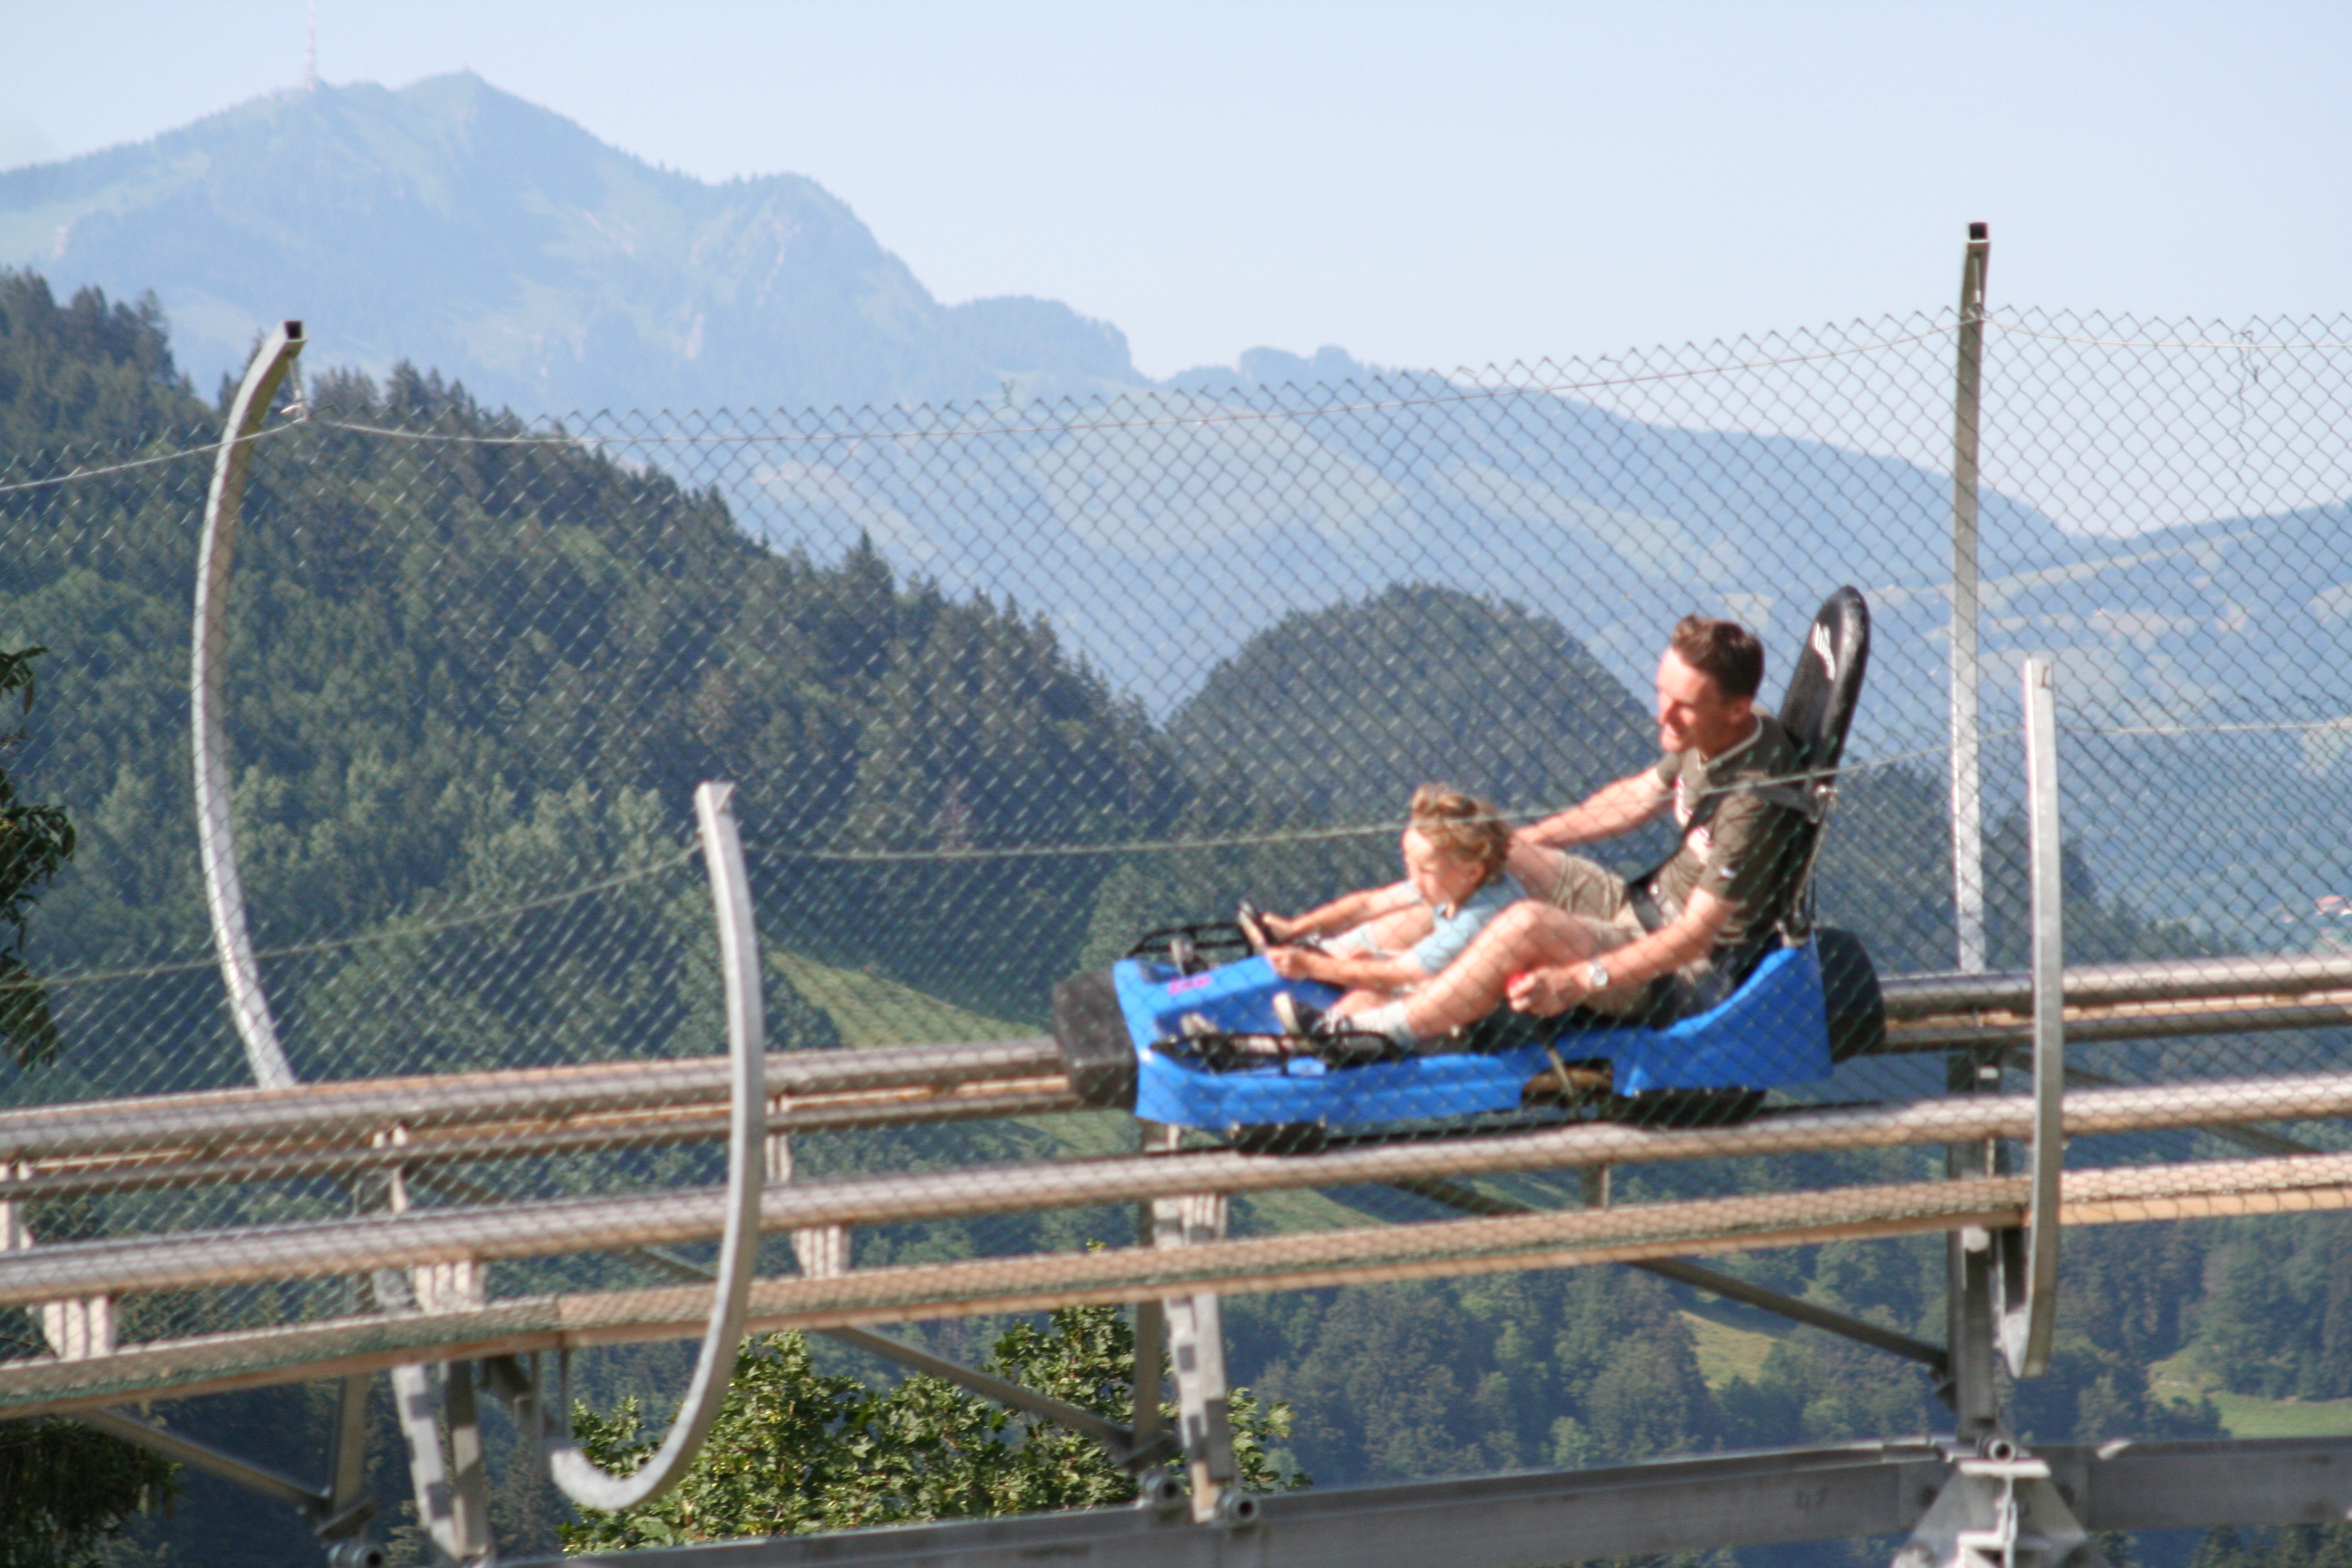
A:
(1596, 975)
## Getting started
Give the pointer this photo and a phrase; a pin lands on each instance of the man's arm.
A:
(1609, 811)
(1557, 989)
(1342, 913)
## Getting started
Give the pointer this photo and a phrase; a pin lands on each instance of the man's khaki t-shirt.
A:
(1742, 848)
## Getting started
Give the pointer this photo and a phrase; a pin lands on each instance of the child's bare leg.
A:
(1528, 935)
(1390, 932)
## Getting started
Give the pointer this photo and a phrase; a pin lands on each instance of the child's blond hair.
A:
(1461, 826)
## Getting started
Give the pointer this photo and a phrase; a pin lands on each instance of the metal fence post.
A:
(1967, 826)
(1972, 1327)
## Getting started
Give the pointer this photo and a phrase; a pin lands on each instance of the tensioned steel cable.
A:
(1257, 840)
(2008, 323)
(1228, 417)
(121, 468)
(428, 926)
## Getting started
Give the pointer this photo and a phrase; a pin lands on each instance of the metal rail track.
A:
(1361, 1254)
(345, 1128)
(190, 1259)
(349, 1128)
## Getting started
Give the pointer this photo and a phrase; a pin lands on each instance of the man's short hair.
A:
(1724, 652)
(1462, 826)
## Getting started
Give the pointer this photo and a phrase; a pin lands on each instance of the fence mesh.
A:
(1003, 689)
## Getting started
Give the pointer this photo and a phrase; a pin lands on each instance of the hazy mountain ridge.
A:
(460, 227)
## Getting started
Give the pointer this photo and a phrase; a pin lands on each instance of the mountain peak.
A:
(453, 224)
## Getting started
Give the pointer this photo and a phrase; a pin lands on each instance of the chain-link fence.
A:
(1003, 688)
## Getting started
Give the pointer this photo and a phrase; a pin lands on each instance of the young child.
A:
(1393, 939)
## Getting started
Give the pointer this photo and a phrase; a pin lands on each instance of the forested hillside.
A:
(437, 655)
(473, 671)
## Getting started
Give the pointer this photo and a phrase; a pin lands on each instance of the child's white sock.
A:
(1386, 1019)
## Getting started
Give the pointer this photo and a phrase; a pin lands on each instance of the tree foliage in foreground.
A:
(35, 841)
(2293, 1546)
(63, 1487)
(795, 1449)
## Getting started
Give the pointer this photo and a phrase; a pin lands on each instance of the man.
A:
(1584, 938)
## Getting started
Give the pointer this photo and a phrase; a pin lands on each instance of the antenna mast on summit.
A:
(311, 52)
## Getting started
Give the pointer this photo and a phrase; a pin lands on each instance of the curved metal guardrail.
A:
(216, 833)
(739, 1243)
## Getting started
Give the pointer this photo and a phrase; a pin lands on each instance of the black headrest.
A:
(1827, 681)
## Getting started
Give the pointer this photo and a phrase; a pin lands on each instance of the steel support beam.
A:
(198, 1454)
(1151, 1312)
(1469, 1200)
(1969, 1387)
(470, 1475)
(1502, 1521)
(1124, 1444)
(2189, 1485)
(1933, 1357)
(1970, 1319)
(1676, 1505)
(444, 1517)
(1196, 1350)
(1150, 1435)
(347, 1459)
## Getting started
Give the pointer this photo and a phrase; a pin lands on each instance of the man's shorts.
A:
(1598, 896)
(1593, 892)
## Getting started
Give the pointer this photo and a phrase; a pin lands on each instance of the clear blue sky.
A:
(1424, 184)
